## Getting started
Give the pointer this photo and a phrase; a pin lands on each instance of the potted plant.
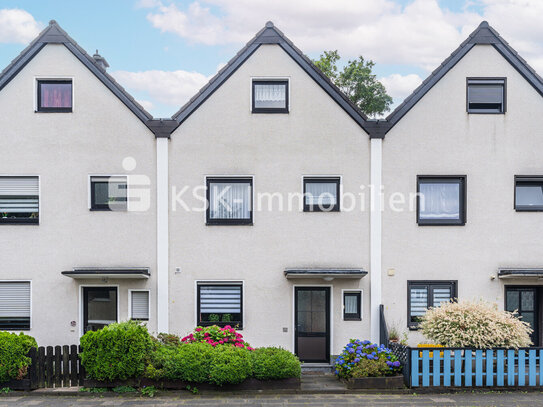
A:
(366, 365)
(393, 334)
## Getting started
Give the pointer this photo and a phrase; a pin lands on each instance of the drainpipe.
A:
(376, 149)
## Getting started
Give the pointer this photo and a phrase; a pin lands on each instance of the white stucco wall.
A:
(63, 149)
(223, 137)
(438, 137)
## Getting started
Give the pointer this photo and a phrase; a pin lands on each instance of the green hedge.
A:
(274, 363)
(230, 365)
(13, 360)
(118, 351)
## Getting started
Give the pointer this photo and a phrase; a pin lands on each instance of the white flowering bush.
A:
(475, 324)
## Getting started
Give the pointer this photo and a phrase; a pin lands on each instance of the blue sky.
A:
(180, 44)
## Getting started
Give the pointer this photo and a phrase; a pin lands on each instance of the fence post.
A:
(33, 368)
(81, 368)
(74, 376)
(407, 368)
(58, 374)
(41, 367)
(65, 366)
(49, 366)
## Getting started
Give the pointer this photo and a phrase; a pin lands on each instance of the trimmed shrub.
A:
(118, 351)
(366, 359)
(474, 325)
(230, 365)
(274, 363)
(13, 360)
(190, 362)
(215, 335)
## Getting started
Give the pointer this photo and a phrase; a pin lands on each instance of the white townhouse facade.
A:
(69, 263)
(470, 140)
(258, 203)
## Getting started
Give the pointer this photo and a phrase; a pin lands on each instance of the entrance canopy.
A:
(522, 273)
(106, 272)
(326, 274)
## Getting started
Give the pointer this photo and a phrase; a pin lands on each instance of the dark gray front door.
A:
(99, 307)
(525, 301)
(312, 323)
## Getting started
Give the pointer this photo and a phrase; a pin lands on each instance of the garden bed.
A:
(22, 384)
(292, 383)
(390, 382)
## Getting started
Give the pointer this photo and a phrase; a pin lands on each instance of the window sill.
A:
(270, 111)
(485, 112)
(236, 325)
(441, 223)
(222, 223)
(352, 319)
(107, 210)
(534, 209)
(54, 111)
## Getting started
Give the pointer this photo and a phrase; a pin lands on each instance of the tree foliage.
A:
(357, 81)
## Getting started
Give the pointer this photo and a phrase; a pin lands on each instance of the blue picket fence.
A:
(455, 367)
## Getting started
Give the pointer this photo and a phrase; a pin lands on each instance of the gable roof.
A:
(272, 35)
(53, 34)
(484, 34)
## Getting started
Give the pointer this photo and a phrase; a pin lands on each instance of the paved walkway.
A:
(313, 400)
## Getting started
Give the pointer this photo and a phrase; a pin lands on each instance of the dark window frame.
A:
(95, 207)
(528, 179)
(486, 111)
(329, 180)
(238, 325)
(430, 285)
(228, 222)
(358, 315)
(132, 291)
(269, 109)
(41, 109)
(463, 199)
(23, 221)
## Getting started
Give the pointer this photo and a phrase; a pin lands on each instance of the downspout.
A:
(162, 198)
(376, 151)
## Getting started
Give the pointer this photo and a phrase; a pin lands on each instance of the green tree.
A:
(357, 81)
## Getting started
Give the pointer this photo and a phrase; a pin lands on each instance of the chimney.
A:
(100, 61)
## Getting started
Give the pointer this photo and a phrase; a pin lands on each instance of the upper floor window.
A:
(270, 96)
(229, 201)
(426, 294)
(321, 194)
(486, 95)
(54, 96)
(441, 200)
(528, 193)
(14, 305)
(19, 200)
(109, 193)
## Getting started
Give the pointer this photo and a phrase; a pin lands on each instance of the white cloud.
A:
(421, 33)
(147, 105)
(400, 86)
(17, 26)
(172, 88)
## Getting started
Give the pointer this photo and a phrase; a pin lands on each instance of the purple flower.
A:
(396, 364)
(356, 360)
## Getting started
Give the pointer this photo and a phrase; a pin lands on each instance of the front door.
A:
(525, 301)
(312, 323)
(99, 307)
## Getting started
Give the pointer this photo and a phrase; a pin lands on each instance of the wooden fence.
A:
(459, 367)
(58, 366)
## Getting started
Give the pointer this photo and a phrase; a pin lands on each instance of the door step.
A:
(317, 369)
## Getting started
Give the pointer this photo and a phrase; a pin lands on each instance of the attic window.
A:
(270, 96)
(486, 95)
(54, 96)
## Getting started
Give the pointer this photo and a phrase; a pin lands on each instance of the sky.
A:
(164, 51)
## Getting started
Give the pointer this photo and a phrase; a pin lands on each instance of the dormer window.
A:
(54, 96)
(270, 96)
(486, 95)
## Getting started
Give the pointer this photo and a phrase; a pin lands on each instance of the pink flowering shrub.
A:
(215, 335)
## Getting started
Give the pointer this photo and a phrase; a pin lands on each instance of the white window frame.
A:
(130, 291)
(31, 310)
(36, 79)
